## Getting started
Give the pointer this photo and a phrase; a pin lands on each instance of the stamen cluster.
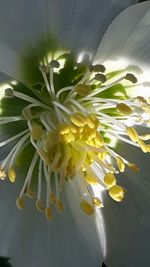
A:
(70, 129)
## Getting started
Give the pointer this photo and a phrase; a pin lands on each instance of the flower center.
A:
(70, 129)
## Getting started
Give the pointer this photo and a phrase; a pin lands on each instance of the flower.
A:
(66, 121)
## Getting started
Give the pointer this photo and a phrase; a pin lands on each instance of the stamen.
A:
(3, 143)
(100, 77)
(72, 135)
(44, 70)
(99, 68)
(29, 174)
(130, 77)
(68, 88)
(27, 98)
(62, 107)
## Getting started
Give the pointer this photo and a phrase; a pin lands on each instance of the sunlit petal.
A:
(127, 38)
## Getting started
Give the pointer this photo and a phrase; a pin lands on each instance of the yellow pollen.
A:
(97, 202)
(133, 167)
(48, 213)
(109, 179)
(142, 145)
(90, 122)
(64, 129)
(148, 147)
(132, 133)
(12, 174)
(20, 203)
(121, 164)
(99, 139)
(52, 198)
(73, 128)
(78, 120)
(59, 205)
(2, 174)
(91, 179)
(117, 193)
(86, 207)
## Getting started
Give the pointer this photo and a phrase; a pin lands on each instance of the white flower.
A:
(63, 120)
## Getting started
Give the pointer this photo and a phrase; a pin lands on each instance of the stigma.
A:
(69, 129)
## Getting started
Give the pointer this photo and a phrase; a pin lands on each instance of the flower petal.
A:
(30, 240)
(75, 24)
(127, 37)
(127, 231)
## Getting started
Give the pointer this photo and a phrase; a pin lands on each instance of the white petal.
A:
(76, 24)
(128, 37)
(30, 240)
(128, 223)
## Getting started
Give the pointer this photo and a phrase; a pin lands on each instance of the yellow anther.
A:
(97, 202)
(82, 89)
(121, 164)
(86, 207)
(124, 109)
(99, 139)
(142, 145)
(78, 120)
(12, 174)
(73, 128)
(90, 122)
(20, 203)
(67, 138)
(30, 193)
(145, 137)
(95, 120)
(64, 129)
(109, 179)
(39, 205)
(91, 142)
(133, 167)
(36, 132)
(2, 174)
(48, 213)
(59, 205)
(132, 133)
(71, 137)
(81, 129)
(91, 134)
(117, 193)
(92, 180)
(148, 147)
(102, 155)
(52, 198)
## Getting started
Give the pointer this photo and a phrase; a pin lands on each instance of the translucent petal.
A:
(127, 37)
(127, 232)
(30, 240)
(75, 24)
